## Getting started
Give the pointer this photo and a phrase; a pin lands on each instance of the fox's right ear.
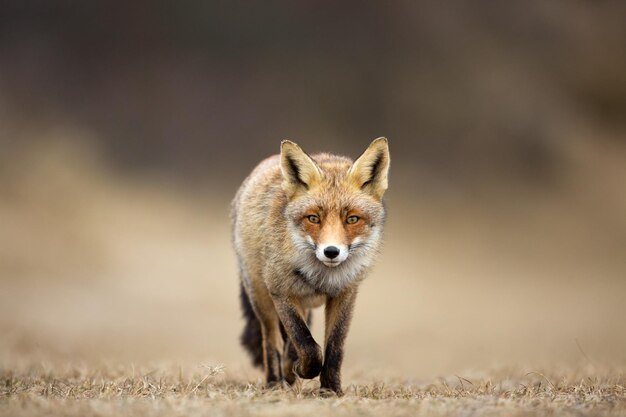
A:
(369, 172)
(299, 170)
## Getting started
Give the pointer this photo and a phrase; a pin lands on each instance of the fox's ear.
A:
(299, 170)
(369, 171)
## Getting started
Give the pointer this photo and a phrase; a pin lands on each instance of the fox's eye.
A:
(313, 219)
(352, 219)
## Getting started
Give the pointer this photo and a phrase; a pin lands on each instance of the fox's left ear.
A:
(369, 171)
(300, 172)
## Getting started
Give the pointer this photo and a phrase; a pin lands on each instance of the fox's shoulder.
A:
(267, 171)
(263, 178)
(267, 166)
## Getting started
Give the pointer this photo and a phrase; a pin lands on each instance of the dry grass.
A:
(215, 391)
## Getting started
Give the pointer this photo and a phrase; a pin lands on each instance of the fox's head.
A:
(335, 210)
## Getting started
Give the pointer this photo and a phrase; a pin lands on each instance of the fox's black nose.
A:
(331, 252)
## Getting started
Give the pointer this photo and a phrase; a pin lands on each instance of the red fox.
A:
(306, 229)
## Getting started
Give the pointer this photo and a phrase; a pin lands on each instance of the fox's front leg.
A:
(291, 313)
(338, 316)
(272, 341)
(272, 348)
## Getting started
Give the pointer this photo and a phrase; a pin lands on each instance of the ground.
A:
(217, 391)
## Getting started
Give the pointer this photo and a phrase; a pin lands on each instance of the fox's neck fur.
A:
(332, 280)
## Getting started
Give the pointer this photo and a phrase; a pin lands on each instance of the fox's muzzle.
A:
(331, 254)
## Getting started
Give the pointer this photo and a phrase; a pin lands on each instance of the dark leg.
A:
(263, 307)
(290, 356)
(309, 353)
(338, 316)
(271, 356)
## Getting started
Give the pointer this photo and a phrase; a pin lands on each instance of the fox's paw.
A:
(308, 370)
(309, 366)
(330, 382)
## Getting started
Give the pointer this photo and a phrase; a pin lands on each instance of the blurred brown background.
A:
(126, 128)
